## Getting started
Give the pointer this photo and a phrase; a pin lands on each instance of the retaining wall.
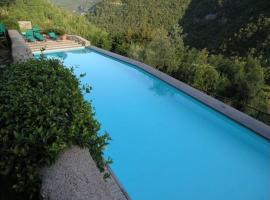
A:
(19, 49)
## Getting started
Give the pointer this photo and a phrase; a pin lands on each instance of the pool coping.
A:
(114, 177)
(243, 119)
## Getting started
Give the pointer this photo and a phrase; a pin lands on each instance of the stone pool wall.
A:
(19, 49)
(74, 176)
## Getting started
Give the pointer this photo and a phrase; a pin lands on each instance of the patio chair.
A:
(29, 36)
(39, 36)
(2, 30)
(53, 35)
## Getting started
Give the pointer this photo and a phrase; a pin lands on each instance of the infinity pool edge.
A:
(243, 119)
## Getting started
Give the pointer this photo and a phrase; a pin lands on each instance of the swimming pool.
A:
(167, 145)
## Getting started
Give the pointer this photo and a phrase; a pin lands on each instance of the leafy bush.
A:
(57, 30)
(42, 113)
(206, 78)
(267, 75)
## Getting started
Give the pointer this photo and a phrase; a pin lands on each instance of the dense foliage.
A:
(42, 112)
(48, 16)
(232, 27)
(231, 59)
(118, 16)
(79, 6)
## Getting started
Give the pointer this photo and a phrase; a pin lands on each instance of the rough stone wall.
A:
(74, 176)
(19, 49)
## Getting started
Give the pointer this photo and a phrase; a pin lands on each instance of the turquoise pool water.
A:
(167, 145)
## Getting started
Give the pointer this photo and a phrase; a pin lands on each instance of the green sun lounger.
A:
(2, 30)
(29, 36)
(39, 36)
(53, 36)
(36, 29)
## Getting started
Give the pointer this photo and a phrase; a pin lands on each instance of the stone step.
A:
(52, 41)
(51, 44)
(57, 47)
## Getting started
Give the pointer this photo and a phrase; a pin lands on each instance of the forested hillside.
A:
(76, 5)
(140, 15)
(232, 27)
(220, 47)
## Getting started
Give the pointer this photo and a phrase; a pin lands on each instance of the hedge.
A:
(43, 112)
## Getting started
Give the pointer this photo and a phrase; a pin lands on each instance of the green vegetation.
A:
(231, 27)
(124, 16)
(47, 16)
(56, 30)
(76, 5)
(42, 113)
(222, 49)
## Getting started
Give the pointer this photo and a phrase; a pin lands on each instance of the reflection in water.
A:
(61, 55)
(158, 88)
(81, 51)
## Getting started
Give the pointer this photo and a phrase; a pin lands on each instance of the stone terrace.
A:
(53, 45)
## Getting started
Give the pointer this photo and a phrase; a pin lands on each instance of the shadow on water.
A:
(61, 55)
(159, 89)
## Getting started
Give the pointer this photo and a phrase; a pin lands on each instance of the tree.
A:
(206, 78)
(267, 75)
(176, 36)
(159, 52)
(190, 60)
(249, 80)
(136, 52)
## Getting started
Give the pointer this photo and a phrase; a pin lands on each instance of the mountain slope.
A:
(119, 16)
(76, 5)
(232, 27)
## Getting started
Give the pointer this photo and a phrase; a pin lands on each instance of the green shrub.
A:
(42, 113)
(206, 78)
(267, 75)
(57, 30)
